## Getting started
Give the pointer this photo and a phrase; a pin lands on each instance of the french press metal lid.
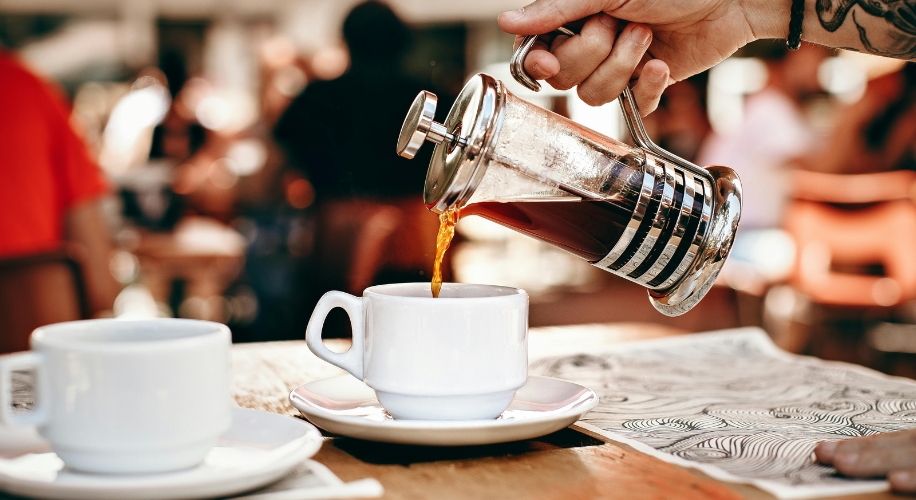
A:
(679, 219)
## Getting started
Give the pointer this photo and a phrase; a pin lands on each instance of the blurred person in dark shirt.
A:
(343, 132)
(372, 226)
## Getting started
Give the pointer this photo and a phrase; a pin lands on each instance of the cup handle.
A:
(352, 360)
(39, 413)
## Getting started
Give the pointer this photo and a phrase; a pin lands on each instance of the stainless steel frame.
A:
(718, 187)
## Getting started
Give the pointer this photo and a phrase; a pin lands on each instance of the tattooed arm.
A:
(883, 27)
(661, 41)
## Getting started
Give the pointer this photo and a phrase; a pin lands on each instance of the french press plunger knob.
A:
(421, 126)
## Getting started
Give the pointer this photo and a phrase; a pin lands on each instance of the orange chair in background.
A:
(845, 223)
(856, 251)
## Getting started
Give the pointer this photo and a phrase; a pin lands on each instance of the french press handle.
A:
(627, 104)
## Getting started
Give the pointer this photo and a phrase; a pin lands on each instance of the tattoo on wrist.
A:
(885, 27)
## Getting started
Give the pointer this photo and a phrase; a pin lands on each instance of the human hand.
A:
(892, 455)
(657, 41)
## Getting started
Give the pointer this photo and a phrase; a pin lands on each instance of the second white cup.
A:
(126, 396)
(461, 356)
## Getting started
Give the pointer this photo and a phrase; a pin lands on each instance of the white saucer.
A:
(346, 406)
(258, 449)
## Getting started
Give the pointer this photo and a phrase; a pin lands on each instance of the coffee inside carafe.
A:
(585, 228)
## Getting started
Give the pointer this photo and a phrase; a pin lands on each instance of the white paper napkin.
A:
(313, 481)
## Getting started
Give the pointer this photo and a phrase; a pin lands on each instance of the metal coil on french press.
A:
(664, 222)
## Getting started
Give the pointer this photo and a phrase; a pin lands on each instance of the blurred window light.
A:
(193, 91)
(520, 262)
(213, 308)
(772, 251)
(78, 46)
(843, 77)
(893, 337)
(873, 65)
(227, 112)
(203, 236)
(229, 58)
(148, 80)
(247, 156)
(92, 103)
(129, 127)
(330, 62)
(759, 258)
(480, 229)
(497, 255)
(278, 51)
(729, 82)
(605, 119)
(214, 112)
(739, 75)
(124, 267)
(782, 302)
(137, 302)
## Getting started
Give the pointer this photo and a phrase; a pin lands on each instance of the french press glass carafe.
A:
(638, 212)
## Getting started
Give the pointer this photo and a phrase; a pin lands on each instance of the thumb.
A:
(544, 16)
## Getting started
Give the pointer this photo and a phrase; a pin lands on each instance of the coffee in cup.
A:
(461, 356)
(115, 396)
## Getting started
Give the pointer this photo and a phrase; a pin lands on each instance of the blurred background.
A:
(241, 163)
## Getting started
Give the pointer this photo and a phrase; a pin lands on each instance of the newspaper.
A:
(735, 406)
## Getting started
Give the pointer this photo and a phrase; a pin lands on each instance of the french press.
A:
(639, 212)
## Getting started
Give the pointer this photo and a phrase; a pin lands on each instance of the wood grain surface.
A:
(565, 465)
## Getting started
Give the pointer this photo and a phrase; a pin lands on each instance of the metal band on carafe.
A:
(665, 231)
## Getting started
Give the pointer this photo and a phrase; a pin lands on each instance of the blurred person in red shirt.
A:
(51, 188)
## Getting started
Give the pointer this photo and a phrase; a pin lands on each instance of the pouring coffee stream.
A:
(639, 212)
(447, 221)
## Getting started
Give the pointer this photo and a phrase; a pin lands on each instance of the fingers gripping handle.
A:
(517, 64)
(627, 104)
(352, 360)
(38, 415)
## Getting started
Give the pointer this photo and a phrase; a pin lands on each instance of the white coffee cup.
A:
(461, 356)
(116, 396)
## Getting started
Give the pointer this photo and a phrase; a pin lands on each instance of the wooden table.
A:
(565, 465)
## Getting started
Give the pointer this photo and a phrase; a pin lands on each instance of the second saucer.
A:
(258, 449)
